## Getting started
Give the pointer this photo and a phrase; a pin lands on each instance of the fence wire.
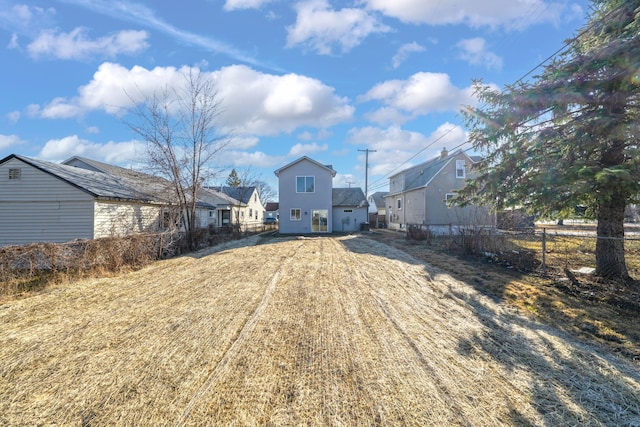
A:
(548, 252)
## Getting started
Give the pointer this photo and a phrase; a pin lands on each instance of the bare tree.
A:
(180, 127)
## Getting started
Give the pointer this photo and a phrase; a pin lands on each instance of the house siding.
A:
(41, 208)
(425, 204)
(344, 221)
(122, 218)
(320, 199)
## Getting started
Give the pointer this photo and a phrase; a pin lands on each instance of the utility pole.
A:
(366, 171)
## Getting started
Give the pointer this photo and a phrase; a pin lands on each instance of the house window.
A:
(449, 196)
(305, 184)
(399, 203)
(348, 210)
(295, 214)
(14, 174)
(460, 169)
(250, 213)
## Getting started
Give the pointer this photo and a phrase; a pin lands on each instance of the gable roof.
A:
(378, 198)
(327, 167)
(94, 165)
(240, 194)
(272, 206)
(99, 184)
(349, 197)
(421, 174)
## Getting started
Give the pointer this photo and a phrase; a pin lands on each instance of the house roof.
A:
(114, 170)
(421, 174)
(378, 198)
(271, 206)
(239, 194)
(349, 197)
(328, 167)
(100, 184)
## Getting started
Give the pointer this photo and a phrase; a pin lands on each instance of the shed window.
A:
(14, 173)
(348, 210)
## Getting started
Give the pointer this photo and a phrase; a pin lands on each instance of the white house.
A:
(239, 206)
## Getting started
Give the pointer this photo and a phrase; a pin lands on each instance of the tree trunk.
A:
(610, 261)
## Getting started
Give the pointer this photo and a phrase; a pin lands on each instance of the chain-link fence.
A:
(548, 252)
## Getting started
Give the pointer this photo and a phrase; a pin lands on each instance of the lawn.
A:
(298, 331)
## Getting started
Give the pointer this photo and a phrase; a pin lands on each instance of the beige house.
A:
(419, 195)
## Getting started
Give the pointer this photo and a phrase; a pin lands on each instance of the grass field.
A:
(297, 331)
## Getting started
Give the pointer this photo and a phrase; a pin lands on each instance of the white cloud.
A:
(13, 43)
(145, 16)
(404, 52)
(244, 4)
(110, 152)
(13, 116)
(243, 143)
(511, 14)
(253, 103)
(7, 141)
(299, 150)
(420, 94)
(257, 159)
(24, 19)
(395, 145)
(387, 116)
(320, 28)
(267, 104)
(475, 52)
(77, 44)
(346, 181)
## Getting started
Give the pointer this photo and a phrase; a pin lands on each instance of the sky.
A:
(325, 79)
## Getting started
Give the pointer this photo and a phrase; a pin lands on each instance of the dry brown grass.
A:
(598, 311)
(311, 331)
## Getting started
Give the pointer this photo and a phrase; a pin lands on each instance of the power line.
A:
(568, 43)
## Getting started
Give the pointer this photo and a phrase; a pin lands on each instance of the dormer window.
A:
(460, 173)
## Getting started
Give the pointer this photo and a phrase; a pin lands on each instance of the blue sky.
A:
(321, 78)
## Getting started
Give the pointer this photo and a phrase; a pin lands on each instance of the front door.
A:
(319, 221)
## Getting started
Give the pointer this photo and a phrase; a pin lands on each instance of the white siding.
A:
(121, 218)
(41, 208)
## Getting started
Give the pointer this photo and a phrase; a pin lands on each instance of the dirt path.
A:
(316, 331)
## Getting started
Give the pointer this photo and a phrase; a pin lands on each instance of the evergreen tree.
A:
(233, 180)
(570, 136)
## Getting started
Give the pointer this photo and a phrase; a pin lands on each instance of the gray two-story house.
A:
(305, 192)
(419, 195)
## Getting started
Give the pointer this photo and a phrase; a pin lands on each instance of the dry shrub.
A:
(33, 267)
